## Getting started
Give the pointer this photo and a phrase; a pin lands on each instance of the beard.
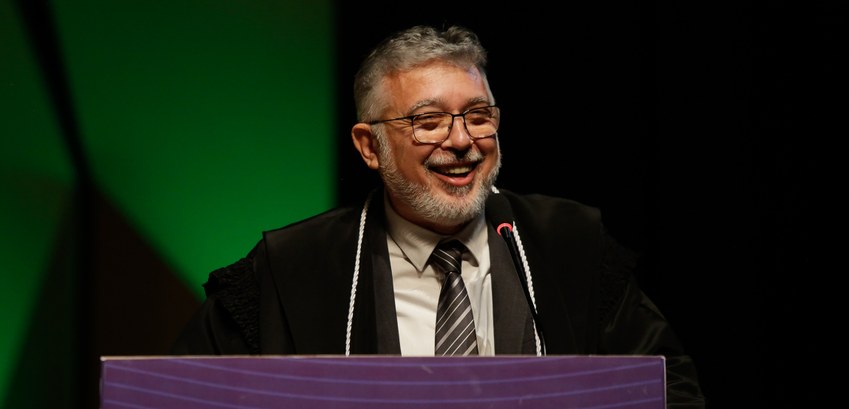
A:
(469, 200)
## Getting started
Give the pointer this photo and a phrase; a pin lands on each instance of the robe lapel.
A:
(305, 295)
(375, 324)
(514, 332)
(385, 328)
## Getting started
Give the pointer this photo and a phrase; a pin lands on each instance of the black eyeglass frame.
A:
(412, 118)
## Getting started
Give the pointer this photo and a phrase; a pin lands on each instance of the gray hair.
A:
(409, 49)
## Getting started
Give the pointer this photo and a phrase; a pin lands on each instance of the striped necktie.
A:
(455, 324)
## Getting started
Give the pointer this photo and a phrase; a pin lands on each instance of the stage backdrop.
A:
(175, 130)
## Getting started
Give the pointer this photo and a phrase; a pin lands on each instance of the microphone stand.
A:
(505, 230)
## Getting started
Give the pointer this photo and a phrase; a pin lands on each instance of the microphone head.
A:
(507, 226)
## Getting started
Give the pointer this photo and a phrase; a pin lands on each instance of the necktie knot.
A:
(448, 256)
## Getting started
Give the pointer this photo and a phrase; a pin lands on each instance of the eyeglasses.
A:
(434, 127)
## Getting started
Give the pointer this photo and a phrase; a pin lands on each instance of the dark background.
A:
(701, 130)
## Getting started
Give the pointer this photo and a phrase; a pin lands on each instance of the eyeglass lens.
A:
(435, 127)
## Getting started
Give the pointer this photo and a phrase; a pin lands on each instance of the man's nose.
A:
(458, 136)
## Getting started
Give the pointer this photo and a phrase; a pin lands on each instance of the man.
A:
(363, 281)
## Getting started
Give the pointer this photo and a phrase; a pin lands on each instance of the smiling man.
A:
(422, 268)
(436, 175)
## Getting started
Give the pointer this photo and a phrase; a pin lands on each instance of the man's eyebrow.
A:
(422, 103)
(437, 101)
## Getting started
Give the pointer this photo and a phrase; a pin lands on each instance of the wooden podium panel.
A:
(378, 382)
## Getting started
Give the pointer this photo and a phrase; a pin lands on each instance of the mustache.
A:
(446, 158)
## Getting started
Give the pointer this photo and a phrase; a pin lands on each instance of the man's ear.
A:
(365, 142)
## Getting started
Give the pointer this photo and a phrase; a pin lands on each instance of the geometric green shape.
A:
(205, 123)
(36, 188)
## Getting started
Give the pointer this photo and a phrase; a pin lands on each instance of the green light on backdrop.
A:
(205, 122)
(36, 181)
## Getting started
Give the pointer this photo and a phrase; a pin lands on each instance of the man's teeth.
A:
(457, 171)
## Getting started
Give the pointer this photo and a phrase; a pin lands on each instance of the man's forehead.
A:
(432, 84)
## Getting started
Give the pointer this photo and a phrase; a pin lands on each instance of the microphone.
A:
(501, 214)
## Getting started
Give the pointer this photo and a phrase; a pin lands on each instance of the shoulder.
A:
(559, 235)
(315, 230)
(556, 227)
(329, 220)
(550, 214)
(233, 292)
(333, 230)
(560, 217)
(543, 205)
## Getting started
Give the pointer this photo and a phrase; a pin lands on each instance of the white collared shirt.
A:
(417, 284)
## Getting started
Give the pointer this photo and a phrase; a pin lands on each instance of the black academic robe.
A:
(292, 293)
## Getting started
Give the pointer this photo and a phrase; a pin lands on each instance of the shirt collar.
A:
(417, 243)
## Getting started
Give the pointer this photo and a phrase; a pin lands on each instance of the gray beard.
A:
(432, 208)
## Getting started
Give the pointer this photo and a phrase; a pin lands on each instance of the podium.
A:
(378, 382)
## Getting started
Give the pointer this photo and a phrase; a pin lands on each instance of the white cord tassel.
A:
(356, 275)
(530, 280)
(528, 277)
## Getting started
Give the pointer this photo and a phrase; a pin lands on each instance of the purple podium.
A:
(378, 382)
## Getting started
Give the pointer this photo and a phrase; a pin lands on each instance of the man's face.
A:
(439, 186)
